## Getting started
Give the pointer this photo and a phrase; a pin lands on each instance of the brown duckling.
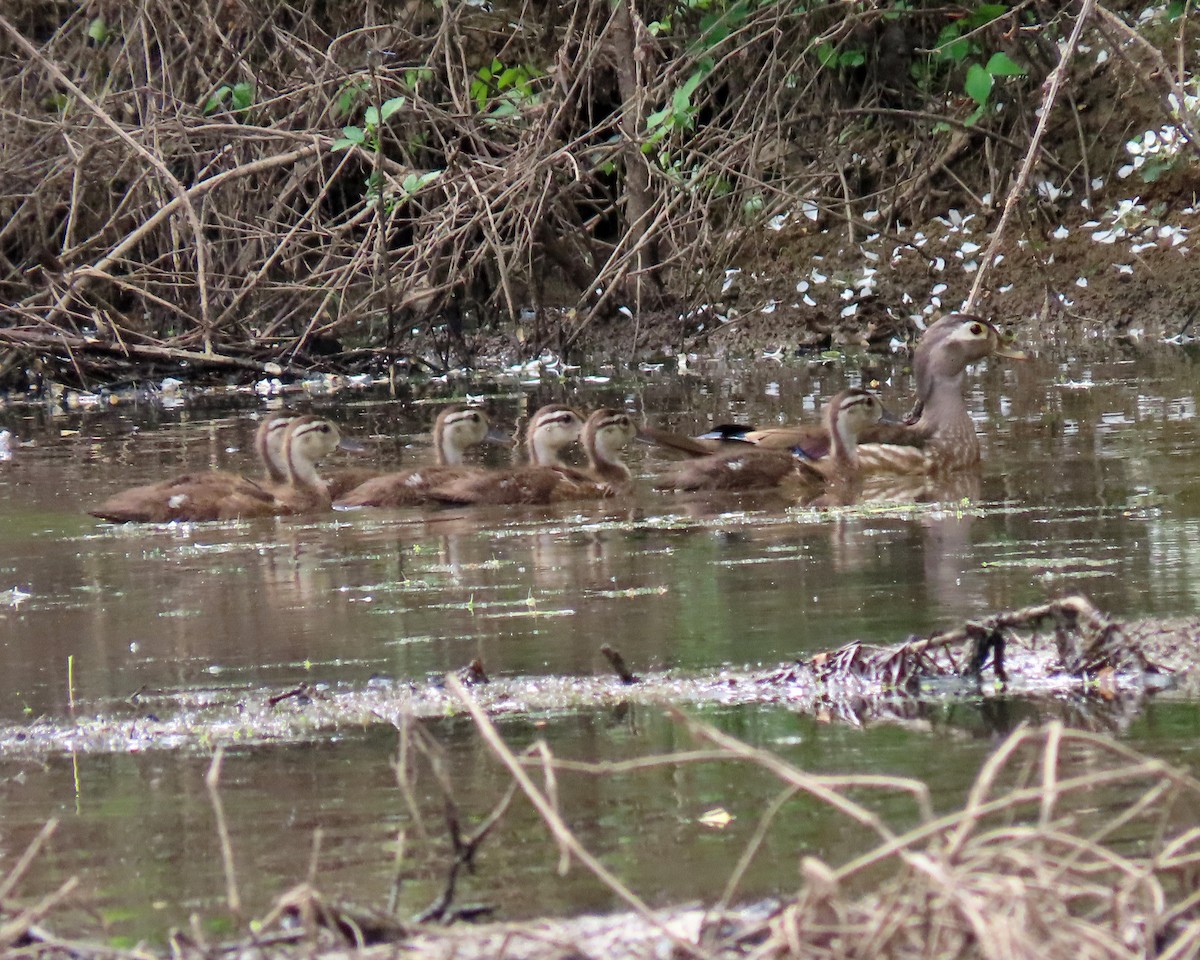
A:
(549, 479)
(269, 443)
(456, 430)
(221, 495)
(845, 416)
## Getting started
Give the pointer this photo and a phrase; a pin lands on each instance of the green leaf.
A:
(827, 55)
(354, 134)
(341, 144)
(975, 115)
(694, 81)
(243, 96)
(656, 118)
(345, 102)
(950, 45)
(97, 30)
(371, 116)
(391, 106)
(479, 93)
(986, 13)
(216, 99)
(979, 84)
(852, 58)
(1002, 65)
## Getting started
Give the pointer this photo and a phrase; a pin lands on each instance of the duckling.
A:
(549, 479)
(269, 444)
(845, 416)
(456, 430)
(221, 495)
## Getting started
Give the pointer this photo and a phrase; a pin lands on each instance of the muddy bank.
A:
(402, 210)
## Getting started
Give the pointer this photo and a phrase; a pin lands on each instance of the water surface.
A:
(1088, 485)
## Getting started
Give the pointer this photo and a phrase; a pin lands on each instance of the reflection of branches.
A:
(1029, 861)
(464, 845)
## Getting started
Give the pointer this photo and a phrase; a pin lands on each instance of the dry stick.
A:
(134, 237)
(1053, 83)
(176, 187)
(1191, 123)
(825, 788)
(962, 821)
(212, 781)
(562, 833)
(752, 847)
(33, 338)
(19, 926)
(31, 851)
(283, 243)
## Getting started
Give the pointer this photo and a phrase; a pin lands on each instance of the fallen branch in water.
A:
(1087, 644)
(40, 340)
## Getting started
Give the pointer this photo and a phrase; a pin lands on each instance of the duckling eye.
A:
(977, 329)
(324, 428)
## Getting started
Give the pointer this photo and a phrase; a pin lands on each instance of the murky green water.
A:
(1089, 484)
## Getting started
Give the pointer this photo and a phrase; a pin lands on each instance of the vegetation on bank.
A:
(315, 183)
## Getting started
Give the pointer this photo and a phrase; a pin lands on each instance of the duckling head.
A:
(552, 429)
(606, 432)
(458, 428)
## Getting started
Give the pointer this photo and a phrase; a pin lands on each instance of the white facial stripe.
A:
(972, 330)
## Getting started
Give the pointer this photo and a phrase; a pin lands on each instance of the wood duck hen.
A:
(845, 417)
(548, 478)
(222, 495)
(941, 436)
(457, 429)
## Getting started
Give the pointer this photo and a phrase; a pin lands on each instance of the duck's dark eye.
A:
(324, 428)
(977, 329)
